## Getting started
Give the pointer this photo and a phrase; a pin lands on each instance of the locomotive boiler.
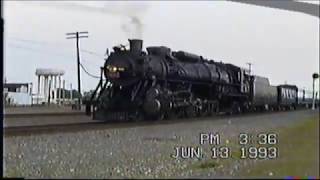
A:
(159, 83)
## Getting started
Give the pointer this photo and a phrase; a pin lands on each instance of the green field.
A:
(298, 153)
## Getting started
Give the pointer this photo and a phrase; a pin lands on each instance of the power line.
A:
(92, 53)
(38, 50)
(84, 69)
(53, 44)
(91, 75)
(29, 41)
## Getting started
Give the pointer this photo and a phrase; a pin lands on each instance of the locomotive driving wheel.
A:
(191, 111)
(138, 116)
(208, 109)
(212, 108)
(235, 108)
(156, 117)
(160, 116)
(171, 114)
(199, 108)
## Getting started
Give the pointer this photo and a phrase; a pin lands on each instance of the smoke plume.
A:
(131, 12)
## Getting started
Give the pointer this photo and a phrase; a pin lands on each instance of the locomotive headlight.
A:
(108, 68)
(120, 69)
(114, 69)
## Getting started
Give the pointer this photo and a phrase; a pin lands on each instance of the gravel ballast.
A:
(136, 152)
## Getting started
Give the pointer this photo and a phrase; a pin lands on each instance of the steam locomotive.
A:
(161, 83)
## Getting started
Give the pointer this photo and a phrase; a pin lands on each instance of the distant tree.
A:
(67, 93)
(87, 95)
(75, 94)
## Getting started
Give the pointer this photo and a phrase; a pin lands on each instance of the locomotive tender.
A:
(161, 83)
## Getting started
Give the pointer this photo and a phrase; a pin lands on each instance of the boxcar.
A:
(287, 96)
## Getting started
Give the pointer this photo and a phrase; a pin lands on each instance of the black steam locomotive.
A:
(161, 83)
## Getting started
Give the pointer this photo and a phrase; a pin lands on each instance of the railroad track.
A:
(24, 115)
(97, 125)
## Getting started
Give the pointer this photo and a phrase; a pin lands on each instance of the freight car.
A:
(264, 96)
(305, 98)
(288, 96)
(161, 83)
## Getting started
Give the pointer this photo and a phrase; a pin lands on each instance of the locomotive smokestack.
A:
(135, 45)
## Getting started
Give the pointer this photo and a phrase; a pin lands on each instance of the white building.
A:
(17, 93)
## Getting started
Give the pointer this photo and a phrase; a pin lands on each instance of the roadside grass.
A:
(12, 173)
(217, 164)
(298, 148)
(298, 153)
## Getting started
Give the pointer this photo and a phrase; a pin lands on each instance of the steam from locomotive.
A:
(161, 83)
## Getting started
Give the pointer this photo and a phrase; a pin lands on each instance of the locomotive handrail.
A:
(135, 91)
(103, 88)
(95, 91)
(91, 102)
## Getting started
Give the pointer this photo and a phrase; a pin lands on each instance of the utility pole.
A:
(314, 77)
(49, 92)
(78, 35)
(64, 91)
(249, 67)
(71, 92)
(31, 93)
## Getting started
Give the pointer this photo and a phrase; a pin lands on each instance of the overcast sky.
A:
(282, 45)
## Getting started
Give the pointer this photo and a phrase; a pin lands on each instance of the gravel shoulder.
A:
(136, 152)
(46, 120)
